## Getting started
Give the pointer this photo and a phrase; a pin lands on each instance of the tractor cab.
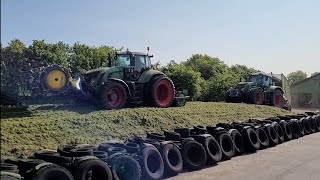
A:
(260, 80)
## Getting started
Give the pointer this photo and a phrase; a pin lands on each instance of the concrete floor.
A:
(294, 160)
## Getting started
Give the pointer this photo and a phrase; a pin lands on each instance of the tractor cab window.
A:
(122, 60)
(255, 78)
(266, 81)
(140, 63)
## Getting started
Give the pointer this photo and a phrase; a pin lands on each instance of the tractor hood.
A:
(241, 85)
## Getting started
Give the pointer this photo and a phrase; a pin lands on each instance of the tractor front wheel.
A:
(277, 98)
(257, 97)
(113, 96)
(162, 92)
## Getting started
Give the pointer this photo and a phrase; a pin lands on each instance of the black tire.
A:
(286, 130)
(263, 138)
(64, 150)
(301, 127)
(131, 147)
(9, 176)
(101, 155)
(156, 136)
(52, 171)
(279, 130)
(184, 132)
(164, 85)
(194, 155)
(226, 126)
(113, 150)
(81, 152)
(113, 95)
(277, 98)
(53, 157)
(257, 97)
(313, 124)
(172, 136)
(105, 146)
(295, 128)
(25, 165)
(86, 146)
(237, 140)
(317, 120)
(151, 163)
(153, 142)
(213, 149)
(251, 140)
(199, 129)
(172, 159)
(9, 168)
(96, 168)
(226, 145)
(272, 134)
(125, 167)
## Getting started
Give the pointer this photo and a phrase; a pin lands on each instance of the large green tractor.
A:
(258, 89)
(130, 79)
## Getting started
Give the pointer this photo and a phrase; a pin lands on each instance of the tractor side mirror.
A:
(109, 60)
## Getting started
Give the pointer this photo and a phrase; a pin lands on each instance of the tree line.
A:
(206, 78)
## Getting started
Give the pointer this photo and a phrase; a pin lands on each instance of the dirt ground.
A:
(294, 160)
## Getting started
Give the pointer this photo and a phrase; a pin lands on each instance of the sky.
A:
(272, 36)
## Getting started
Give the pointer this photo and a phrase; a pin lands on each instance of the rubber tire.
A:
(302, 133)
(81, 152)
(184, 132)
(151, 90)
(272, 134)
(129, 168)
(173, 136)
(9, 176)
(237, 140)
(213, 149)
(172, 159)
(277, 92)
(131, 147)
(313, 124)
(192, 149)
(53, 157)
(99, 169)
(151, 153)
(251, 140)
(226, 145)
(199, 129)
(280, 132)
(113, 150)
(156, 136)
(64, 150)
(253, 96)
(52, 171)
(9, 168)
(263, 138)
(104, 96)
(286, 130)
(295, 129)
(153, 142)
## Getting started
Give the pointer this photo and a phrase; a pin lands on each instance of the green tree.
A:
(242, 71)
(296, 76)
(206, 65)
(184, 78)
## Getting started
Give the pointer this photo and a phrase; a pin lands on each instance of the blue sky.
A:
(273, 36)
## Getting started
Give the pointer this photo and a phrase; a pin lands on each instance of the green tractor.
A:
(130, 79)
(258, 89)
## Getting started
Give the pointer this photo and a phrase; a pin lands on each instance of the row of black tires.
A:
(160, 155)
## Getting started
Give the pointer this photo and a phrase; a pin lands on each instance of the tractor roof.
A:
(135, 53)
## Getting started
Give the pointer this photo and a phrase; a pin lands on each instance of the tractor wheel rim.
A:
(114, 97)
(56, 79)
(258, 98)
(164, 92)
(277, 100)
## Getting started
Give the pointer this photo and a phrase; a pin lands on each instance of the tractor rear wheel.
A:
(113, 96)
(160, 92)
(277, 98)
(257, 97)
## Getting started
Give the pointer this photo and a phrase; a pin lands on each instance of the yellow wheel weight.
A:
(56, 79)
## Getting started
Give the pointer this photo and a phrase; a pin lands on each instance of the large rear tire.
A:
(160, 92)
(113, 96)
(257, 97)
(277, 98)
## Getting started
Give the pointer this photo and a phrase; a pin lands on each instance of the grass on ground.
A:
(53, 125)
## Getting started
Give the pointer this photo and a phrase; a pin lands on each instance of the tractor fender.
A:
(274, 88)
(120, 81)
(147, 75)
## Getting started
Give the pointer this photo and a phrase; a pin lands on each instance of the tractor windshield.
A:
(122, 60)
(255, 78)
